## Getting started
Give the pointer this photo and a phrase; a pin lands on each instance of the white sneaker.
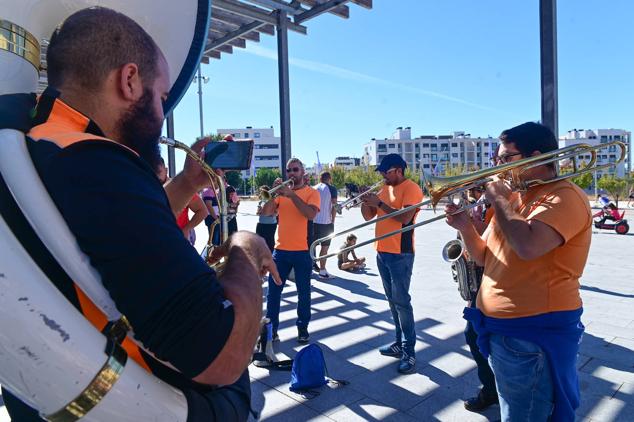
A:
(325, 275)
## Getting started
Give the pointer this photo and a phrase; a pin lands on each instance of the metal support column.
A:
(548, 56)
(285, 105)
(200, 102)
(171, 157)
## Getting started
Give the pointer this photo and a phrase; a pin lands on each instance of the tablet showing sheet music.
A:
(234, 155)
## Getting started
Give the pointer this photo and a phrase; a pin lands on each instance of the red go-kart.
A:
(611, 220)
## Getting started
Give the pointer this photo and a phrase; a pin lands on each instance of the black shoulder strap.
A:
(17, 111)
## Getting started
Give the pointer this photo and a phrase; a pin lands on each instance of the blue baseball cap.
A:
(391, 161)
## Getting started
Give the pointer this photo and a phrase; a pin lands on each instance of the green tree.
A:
(265, 177)
(338, 175)
(584, 181)
(615, 186)
(361, 176)
(234, 178)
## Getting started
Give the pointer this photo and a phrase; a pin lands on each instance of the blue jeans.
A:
(523, 378)
(396, 273)
(285, 261)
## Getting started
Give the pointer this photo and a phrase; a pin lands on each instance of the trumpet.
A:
(217, 183)
(353, 202)
(266, 195)
(440, 187)
(453, 250)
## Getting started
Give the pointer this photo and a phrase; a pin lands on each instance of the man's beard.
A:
(140, 129)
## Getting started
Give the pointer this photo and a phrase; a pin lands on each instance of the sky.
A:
(438, 66)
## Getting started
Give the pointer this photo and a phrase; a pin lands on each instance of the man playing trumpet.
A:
(529, 307)
(296, 207)
(395, 254)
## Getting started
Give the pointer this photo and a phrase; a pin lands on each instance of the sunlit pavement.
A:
(351, 319)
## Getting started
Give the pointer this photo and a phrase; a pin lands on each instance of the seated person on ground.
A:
(343, 259)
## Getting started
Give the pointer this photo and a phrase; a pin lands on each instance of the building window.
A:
(425, 155)
(256, 135)
(434, 147)
(391, 145)
(444, 146)
(486, 144)
(425, 166)
(235, 135)
(612, 148)
(266, 157)
(425, 145)
(604, 139)
(454, 144)
(434, 157)
(454, 154)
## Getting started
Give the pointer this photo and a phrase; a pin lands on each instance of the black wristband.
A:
(380, 204)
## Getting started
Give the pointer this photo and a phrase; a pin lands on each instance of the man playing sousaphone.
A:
(94, 143)
(529, 308)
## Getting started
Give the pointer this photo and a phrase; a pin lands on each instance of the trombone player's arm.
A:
(372, 203)
(530, 238)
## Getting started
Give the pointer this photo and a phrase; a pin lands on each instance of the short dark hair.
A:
(529, 137)
(350, 237)
(325, 175)
(92, 42)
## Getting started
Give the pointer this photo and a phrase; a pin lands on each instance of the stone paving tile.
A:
(370, 410)
(446, 404)
(607, 331)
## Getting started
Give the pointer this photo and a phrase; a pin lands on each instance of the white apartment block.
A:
(347, 163)
(605, 155)
(266, 147)
(432, 153)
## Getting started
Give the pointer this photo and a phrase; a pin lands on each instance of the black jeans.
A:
(485, 374)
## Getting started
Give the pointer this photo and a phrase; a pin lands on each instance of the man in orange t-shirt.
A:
(395, 254)
(296, 208)
(529, 308)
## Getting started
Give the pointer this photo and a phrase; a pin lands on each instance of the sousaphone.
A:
(51, 357)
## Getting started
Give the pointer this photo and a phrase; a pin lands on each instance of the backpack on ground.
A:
(310, 372)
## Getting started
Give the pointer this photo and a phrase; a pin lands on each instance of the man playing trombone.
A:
(529, 307)
(395, 254)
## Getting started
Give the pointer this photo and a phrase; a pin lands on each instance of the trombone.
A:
(353, 202)
(440, 187)
(217, 183)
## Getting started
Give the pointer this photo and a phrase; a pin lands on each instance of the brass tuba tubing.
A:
(216, 182)
(455, 185)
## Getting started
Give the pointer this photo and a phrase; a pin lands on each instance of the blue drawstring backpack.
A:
(309, 371)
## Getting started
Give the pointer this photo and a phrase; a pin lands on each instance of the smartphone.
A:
(234, 155)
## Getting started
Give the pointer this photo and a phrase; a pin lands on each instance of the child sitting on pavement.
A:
(343, 259)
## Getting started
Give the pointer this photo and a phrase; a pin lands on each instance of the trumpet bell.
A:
(453, 250)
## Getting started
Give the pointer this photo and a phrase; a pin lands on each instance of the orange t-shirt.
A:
(292, 226)
(397, 197)
(513, 288)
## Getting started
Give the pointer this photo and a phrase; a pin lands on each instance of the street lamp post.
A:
(201, 79)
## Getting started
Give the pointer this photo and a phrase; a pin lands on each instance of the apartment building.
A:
(605, 155)
(432, 153)
(266, 147)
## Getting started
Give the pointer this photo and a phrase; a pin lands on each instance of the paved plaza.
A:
(351, 319)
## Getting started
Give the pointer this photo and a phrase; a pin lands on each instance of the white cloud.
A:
(341, 73)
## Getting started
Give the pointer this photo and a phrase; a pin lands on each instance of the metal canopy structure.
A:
(234, 22)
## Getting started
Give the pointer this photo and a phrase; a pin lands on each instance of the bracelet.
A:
(380, 204)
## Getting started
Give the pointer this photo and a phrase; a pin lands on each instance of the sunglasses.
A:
(503, 159)
(293, 170)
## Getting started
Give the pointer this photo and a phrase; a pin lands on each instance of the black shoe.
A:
(276, 337)
(302, 335)
(393, 350)
(407, 365)
(480, 402)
